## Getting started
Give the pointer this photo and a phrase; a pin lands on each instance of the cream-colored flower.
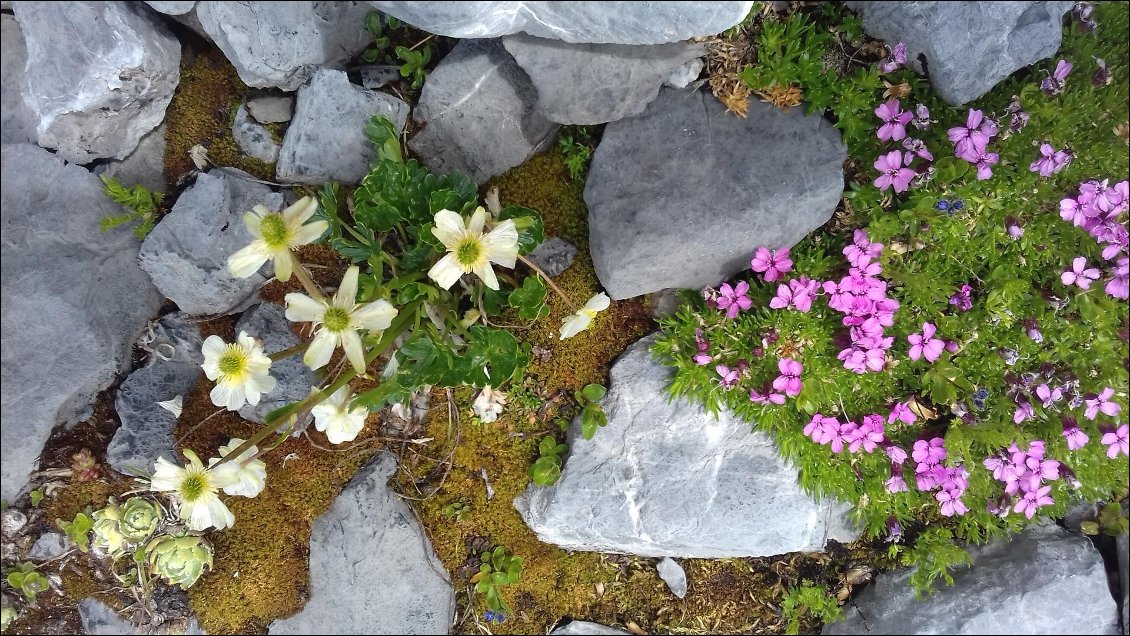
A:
(240, 370)
(578, 322)
(471, 251)
(276, 234)
(489, 405)
(340, 318)
(339, 422)
(248, 476)
(194, 488)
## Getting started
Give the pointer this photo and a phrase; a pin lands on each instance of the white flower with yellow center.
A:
(340, 318)
(471, 251)
(339, 422)
(248, 476)
(276, 234)
(579, 321)
(194, 488)
(240, 370)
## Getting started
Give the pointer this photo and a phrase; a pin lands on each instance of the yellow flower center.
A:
(468, 252)
(336, 319)
(274, 231)
(233, 363)
(193, 486)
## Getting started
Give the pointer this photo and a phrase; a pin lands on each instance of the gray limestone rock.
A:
(58, 264)
(668, 479)
(554, 255)
(378, 75)
(596, 83)
(99, 618)
(326, 139)
(372, 570)
(478, 107)
(17, 122)
(186, 254)
(585, 628)
(282, 44)
(968, 47)
(100, 75)
(1042, 581)
(174, 7)
(1122, 544)
(685, 74)
(683, 194)
(600, 22)
(48, 546)
(269, 109)
(144, 166)
(268, 323)
(147, 428)
(252, 138)
(673, 575)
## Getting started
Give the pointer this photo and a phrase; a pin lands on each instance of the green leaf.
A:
(388, 392)
(593, 392)
(36, 497)
(546, 470)
(382, 134)
(592, 418)
(531, 230)
(529, 299)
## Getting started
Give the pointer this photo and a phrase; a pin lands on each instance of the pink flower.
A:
(894, 119)
(896, 454)
(915, 148)
(822, 430)
(974, 135)
(925, 345)
(1054, 84)
(863, 360)
(773, 263)
(702, 346)
(734, 299)
(1049, 396)
(984, 163)
(798, 294)
(1116, 441)
(929, 452)
(902, 413)
(1074, 435)
(951, 503)
(1079, 274)
(1119, 284)
(891, 172)
(1101, 402)
(1046, 164)
(789, 380)
(895, 60)
(1033, 501)
(896, 483)
(730, 376)
(843, 437)
(869, 434)
(767, 397)
(862, 250)
(1024, 411)
(962, 298)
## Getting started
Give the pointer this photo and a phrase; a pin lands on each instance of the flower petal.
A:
(485, 272)
(309, 233)
(167, 476)
(502, 243)
(598, 302)
(321, 349)
(574, 324)
(252, 221)
(302, 209)
(248, 260)
(354, 350)
(346, 296)
(374, 316)
(449, 228)
(446, 271)
(302, 308)
(479, 221)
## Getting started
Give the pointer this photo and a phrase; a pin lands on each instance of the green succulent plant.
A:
(178, 560)
(547, 469)
(78, 530)
(592, 413)
(29, 582)
(107, 531)
(140, 518)
(497, 569)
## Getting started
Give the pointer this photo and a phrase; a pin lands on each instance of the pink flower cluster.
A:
(862, 297)
(826, 430)
(1024, 473)
(798, 294)
(930, 473)
(971, 142)
(894, 167)
(1100, 210)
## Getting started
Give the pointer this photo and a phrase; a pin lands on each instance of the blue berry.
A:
(942, 205)
(488, 615)
(958, 205)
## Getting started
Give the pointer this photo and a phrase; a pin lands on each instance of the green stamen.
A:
(467, 253)
(192, 487)
(231, 363)
(274, 231)
(335, 319)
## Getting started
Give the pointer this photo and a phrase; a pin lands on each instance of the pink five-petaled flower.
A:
(768, 397)
(891, 172)
(901, 413)
(894, 119)
(822, 430)
(1074, 435)
(1117, 441)
(798, 294)
(1102, 403)
(862, 250)
(895, 60)
(734, 299)
(950, 502)
(1033, 500)
(843, 437)
(925, 345)
(896, 454)
(962, 298)
(1050, 161)
(1079, 274)
(1119, 285)
(929, 452)
(789, 380)
(858, 360)
(773, 263)
(1024, 412)
(971, 139)
(869, 434)
(1049, 396)
(1055, 83)
(729, 377)
(896, 483)
(984, 163)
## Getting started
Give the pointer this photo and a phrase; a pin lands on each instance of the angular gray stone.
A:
(683, 194)
(100, 75)
(268, 109)
(175, 7)
(144, 166)
(554, 255)
(367, 530)
(685, 74)
(478, 105)
(585, 628)
(186, 254)
(1042, 581)
(378, 75)
(673, 575)
(326, 139)
(596, 83)
(252, 138)
(48, 546)
(282, 44)
(99, 618)
(147, 428)
(599, 22)
(969, 47)
(668, 479)
(17, 122)
(74, 301)
(268, 323)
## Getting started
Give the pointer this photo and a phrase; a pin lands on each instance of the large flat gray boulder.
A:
(668, 479)
(478, 111)
(100, 75)
(282, 44)
(372, 569)
(683, 194)
(596, 83)
(968, 47)
(326, 138)
(74, 301)
(17, 122)
(187, 253)
(1045, 580)
(599, 22)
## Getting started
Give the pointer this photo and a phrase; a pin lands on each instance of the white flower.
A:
(340, 318)
(195, 489)
(488, 406)
(276, 233)
(248, 478)
(469, 250)
(578, 322)
(337, 420)
(240, 370)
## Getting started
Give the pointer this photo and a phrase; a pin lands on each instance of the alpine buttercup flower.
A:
(276, 234)
(194, 488)
(248, 476)
(471, 251)
(579, 321)
(340, 318)
(337, 420)
(240, 370)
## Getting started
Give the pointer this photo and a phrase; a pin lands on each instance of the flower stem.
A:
(549, 281)
(286, 353)
(307, 281)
